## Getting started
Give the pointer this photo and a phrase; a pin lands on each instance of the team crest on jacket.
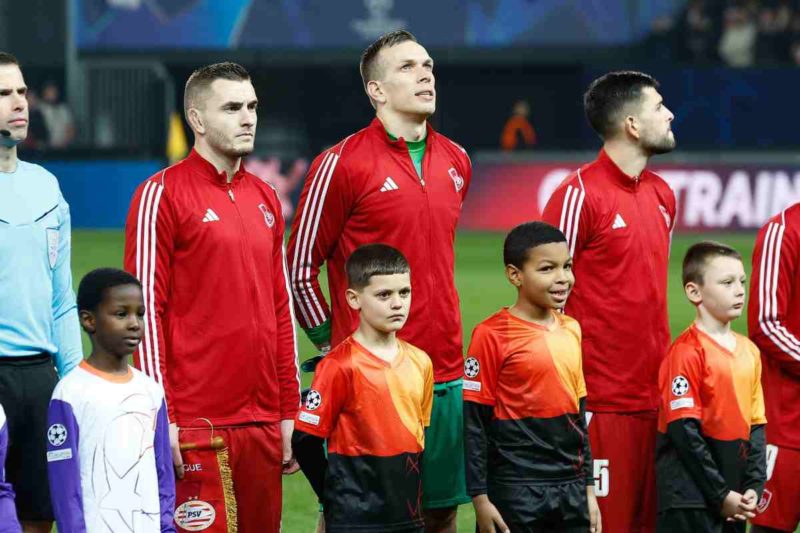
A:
(763, 503)
(666, 216)
(269, 218)
(57, 434)
(195, 515)
(680, 386)
(313, 400)
(458, 181)
(471, 367)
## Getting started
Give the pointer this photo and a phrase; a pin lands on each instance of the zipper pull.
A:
(230, 193)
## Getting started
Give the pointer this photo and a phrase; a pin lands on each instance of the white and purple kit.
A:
(108, 454)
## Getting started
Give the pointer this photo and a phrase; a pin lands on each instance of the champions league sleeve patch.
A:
(313, 400)
(471, 367)
(680, 386)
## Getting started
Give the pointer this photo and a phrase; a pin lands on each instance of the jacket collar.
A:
(611, 169)
(377, 127)
(209, 171)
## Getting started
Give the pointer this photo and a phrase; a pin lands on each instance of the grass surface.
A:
(482, 288)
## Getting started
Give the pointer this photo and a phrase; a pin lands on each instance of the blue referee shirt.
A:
(37, 303)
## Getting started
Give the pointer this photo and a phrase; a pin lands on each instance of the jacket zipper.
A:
(248, 258)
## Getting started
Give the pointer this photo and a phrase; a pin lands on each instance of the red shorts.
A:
(779, 507)
(254, 459)
(623, 450)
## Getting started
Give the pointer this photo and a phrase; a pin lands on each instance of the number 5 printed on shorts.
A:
(602, 481)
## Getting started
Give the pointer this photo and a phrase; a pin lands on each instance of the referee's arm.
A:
(66, 329)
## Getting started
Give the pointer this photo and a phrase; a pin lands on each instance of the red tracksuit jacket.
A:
(219, 332)
(365, 190)
(773, 319)
(618, 231)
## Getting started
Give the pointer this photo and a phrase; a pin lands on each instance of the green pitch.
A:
(482, 288)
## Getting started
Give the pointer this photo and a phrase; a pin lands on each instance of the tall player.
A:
(400, 183)
(618, 217)
(773, 319)
(205, 237)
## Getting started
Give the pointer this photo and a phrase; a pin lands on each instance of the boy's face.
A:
(722, 291)
(116, 325)
(546, 277)
(384, 303)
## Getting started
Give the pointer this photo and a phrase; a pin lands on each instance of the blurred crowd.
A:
(51, 124)
(736, 33)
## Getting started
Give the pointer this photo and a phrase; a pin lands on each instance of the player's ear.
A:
(632, 127)
(514, 275)
(692, 290)
(375, 92)
(195, 120)
(351, 295)
(87, 321)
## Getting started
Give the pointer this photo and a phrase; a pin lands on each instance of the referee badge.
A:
(52, 246)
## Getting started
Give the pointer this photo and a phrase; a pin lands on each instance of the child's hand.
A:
(487, 516)
(749, 501)
(732, 507)
(595, 521)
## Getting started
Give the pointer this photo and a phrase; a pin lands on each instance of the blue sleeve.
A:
(63, 468)
(8, 512)
(166, 474)
(66, 329)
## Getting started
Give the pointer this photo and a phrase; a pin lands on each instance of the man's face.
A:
(407, 81)
(13, 105)
(228, 115)
(655, 123)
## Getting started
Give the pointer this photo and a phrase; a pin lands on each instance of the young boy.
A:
(108, 453)
(528, 461)
(710, 456)
(371, 398)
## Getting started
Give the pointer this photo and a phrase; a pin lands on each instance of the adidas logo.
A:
(618, 222)
(389, 185)
(211, 216)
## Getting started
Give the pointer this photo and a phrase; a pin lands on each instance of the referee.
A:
(38, 318)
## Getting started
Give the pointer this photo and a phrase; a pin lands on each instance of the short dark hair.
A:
(608, 95)
(94, 285)
(368, 66)
(374, 260)
(8, 59)
(203, 77)
(521, 239)
(698, 256)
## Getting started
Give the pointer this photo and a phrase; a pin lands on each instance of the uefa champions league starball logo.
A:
(313, 400)
(471, 367)
(57, 434)
(680, 386)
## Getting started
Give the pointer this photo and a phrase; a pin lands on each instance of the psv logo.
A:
(766, 499)
(195, 515)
